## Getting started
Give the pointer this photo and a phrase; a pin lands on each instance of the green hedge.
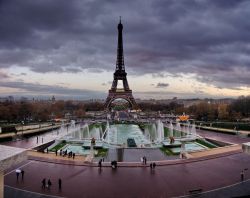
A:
(8, 129)
(227, 125)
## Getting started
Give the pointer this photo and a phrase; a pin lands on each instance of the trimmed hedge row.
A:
(227, 125)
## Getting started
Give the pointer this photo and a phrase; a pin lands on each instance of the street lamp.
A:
(22, 128)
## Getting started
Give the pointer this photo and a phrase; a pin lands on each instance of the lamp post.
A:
(22, 128)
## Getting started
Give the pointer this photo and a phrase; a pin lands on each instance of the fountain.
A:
(160, 131)
(147, 134)
(100, 131)
(96, 133)
(193, 130)
(171, 129)
(154, 132)
(73, 123)
(178, 127)
(187, 126)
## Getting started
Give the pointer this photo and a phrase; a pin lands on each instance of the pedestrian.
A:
(100, 163)
(60, 183)
(145, 160)
(154, 165)
(47, 150)
(49, 184)
(60, 152)
(56, 152)
(17, 173)
(74, 155)
(242, 176)
(43, 183)
(37, 139)
(22, 172)
(142, 160)
(151, 166)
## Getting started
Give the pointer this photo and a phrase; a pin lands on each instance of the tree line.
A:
(43, 111)
(205, 111)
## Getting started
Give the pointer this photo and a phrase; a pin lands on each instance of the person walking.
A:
(22, 173)
(154, 165)
(49, 184)
(242, 176)
(47, 150)
(144, 160)
(43, 183)
(37, 139)
(74, 155)
(60, 183)
(100, 163)
(17, 173)
(56, 152)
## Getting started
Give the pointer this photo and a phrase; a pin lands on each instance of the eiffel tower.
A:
(120, 74)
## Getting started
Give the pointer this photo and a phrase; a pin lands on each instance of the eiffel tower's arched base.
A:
(126, 95)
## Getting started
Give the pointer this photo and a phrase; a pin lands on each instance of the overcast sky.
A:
(184, 48)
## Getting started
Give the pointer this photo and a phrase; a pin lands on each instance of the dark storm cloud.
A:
(208, 38)
(162, 85)
(36, 88)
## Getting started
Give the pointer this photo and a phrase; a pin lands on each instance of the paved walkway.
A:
(164, 181)
(234, 139)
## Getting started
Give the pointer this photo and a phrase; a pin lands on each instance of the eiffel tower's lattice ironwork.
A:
(120, 74)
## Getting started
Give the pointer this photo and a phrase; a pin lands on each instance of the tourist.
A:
(114, 164)
(144, 160)
(154, 165)
(242, 176)
(56, 152)
(60, 183)
(74, 155)
(18, 171)
(100, 163)
(22, 172)
(49, 184)
(43, 183)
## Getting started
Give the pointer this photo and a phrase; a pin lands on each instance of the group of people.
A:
(48, 184)
(65, 153)
(18, 172)
(144, 162)
(152, 165)
(114, 164)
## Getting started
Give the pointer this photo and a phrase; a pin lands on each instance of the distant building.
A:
(7, 99)
(53, 99)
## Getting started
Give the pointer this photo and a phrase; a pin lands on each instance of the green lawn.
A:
(58, 146)
(101, 152)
